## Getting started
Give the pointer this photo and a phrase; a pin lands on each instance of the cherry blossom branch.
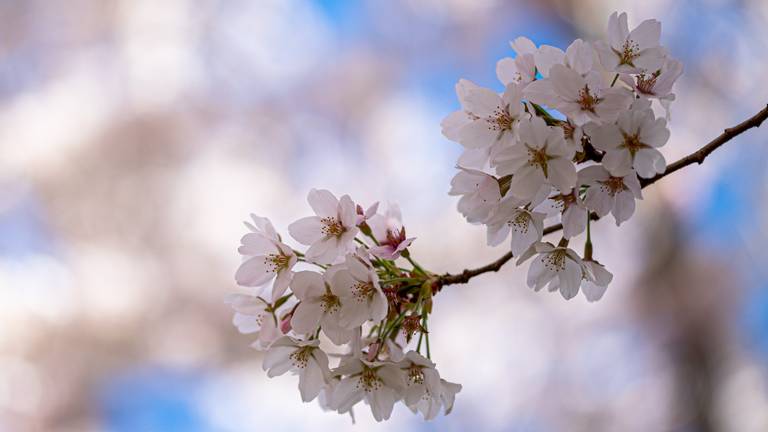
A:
(696, 157)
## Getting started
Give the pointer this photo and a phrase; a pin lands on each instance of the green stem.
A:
(588, 243)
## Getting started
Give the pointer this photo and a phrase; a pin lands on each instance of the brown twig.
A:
(696, 157)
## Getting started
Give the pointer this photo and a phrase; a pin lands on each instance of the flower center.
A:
(415, 375)
(587, 101)
(612, 185)
(538, 158)
(555, 260)
(369, 381)
(276, 262)
(411, 324)
(332, 227)
(363, 291)
(501, 120)
(629, 52)
(330, 302)
(300, 357)
(633, 143)
(520, 222)
(564, 201)
(645, 83)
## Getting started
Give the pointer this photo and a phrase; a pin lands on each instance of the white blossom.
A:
(595, 279)
(579, 56)
(541, 157)
(422, 385)
(331, 232)
(609, 194)
(253, 316)
(379, 384)
(633, 142)
(265, 257)
(658, 84)
(319, 305)
(521, 69)
(573, 213)
(479, 192)
(487, 118)
(637, 51)
(303, 358)
(559, 267)
(389, 232)
(527, 227)
(358, 286)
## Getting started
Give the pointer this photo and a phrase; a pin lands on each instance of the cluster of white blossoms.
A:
(590, 106)
(354, 293)
(350, 314)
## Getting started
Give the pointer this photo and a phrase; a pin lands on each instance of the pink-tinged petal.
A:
(599, 201)
(616, 33)
(655, 134)
(347, 393)
(264, 226)
(522, 239)
(463, 87)
(311, 381)
(592, 174)
(548, 56)
(482, 102)
(379, 306)
(650, 60)
(306, 230)
(566, 82)
(562, 174)
(541, 92)
(526, 182)
(580, 56)
(615, 101)
(618, 162)
(246, 304)
(306, 317)
(649, 162)
(306, 284)
(608, 57)
(477, 134)
(254, 272)
(357, 268)
(246, 324)
(384, 252)
(282, 281)
(506, 71)
(278, 353)
(323, 202)
(347, 212)
(624, 207)
(256, 244)
(538, 274)
(451, 125)
(323, 251)
(574, 221)
(570, 279)
(633, 184)
(336, 333)
(497, 233)
(647, 34)
(522, 45)
(474, 158)
(605, 137)
(592, 291)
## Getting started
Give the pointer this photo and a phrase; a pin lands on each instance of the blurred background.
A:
(137, 135)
